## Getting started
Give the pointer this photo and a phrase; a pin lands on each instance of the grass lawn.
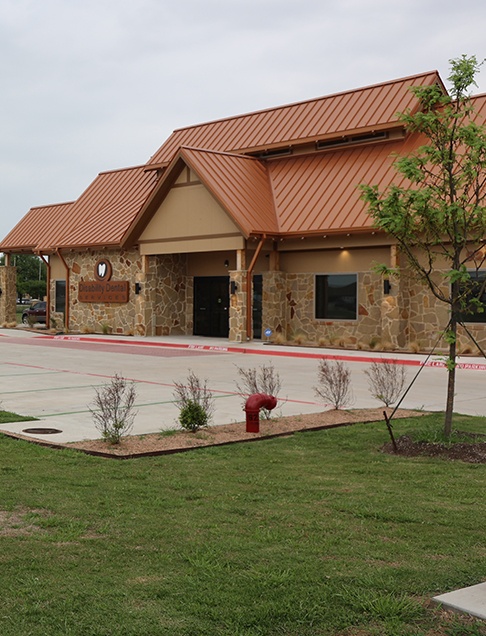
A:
(7, 416)
(318, 533)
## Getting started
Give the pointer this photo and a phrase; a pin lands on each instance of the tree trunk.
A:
(451, 379)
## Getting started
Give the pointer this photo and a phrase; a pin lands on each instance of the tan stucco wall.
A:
(58, 271)
(188, 212)
(333, 261)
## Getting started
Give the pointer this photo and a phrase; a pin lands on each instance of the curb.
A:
(438, 363)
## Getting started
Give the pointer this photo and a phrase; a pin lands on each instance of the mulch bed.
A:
(472, 451)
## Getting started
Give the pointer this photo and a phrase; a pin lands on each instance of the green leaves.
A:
(437, 215)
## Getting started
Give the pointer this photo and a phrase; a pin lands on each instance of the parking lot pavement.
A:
(55, 378)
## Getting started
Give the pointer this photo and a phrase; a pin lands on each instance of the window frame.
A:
(481, 317)
(57, 308)
(325, 301)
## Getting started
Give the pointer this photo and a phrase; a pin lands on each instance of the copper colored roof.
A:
(319, 193)
(240, 184)
(370, 108)
(103, 212)
(43, 224)
(298, 194)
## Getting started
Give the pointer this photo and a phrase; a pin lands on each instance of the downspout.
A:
(249, 296)
(48, 290)
(66, 313)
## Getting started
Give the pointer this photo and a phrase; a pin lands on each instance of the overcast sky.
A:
(92, 85)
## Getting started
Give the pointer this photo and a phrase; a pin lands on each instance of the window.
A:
(61, 296)
(478, 278)
(336, 296)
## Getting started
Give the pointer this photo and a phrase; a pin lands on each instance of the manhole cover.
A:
(41, 431)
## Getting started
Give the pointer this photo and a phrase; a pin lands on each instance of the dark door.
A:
(211, 306)
(257, 305)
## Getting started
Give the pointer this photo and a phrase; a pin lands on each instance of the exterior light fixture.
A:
(386, 287)
(226, 263)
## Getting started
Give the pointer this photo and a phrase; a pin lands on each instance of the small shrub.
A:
(195, 402)
(193, 417)
(278, 339)
(374, 342)
(299, 339)
(334, 383)
(106, 328)
(262, 380)
(414, 347)
(113, 412)
(386, 381)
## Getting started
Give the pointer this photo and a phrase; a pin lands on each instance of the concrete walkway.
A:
(54, 378)
(469, 600)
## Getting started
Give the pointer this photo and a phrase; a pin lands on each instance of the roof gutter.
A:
(249, 295)
(66, 307)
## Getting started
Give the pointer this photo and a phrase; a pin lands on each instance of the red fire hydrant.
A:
(253, 405)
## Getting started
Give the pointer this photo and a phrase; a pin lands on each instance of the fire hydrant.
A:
(253, 405)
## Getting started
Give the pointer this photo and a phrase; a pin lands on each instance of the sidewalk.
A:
(54, 378)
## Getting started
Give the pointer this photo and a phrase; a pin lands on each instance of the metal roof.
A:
(299, 194)
(102, 213)
(372, 107)
(41, 225)
(319, 193)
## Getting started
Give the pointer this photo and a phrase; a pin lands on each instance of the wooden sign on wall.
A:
(103, 289)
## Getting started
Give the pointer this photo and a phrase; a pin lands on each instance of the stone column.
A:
(237, 308)
(274, 303)
(8, 297)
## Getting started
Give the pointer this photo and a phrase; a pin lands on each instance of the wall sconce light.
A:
(1, 291)
(226, 263)
(233, 287)
(138, 288)
(386, 287)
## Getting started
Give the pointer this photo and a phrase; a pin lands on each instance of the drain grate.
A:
(41, 431)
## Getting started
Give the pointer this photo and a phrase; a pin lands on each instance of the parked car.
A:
(35, 313)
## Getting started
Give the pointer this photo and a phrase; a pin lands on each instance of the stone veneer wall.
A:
(274, 303)
(428, 317)
(159, 309)
(170, 282)
(410, 317)
(289, 310)
(237, 308)
(8, 297)
(95, 317)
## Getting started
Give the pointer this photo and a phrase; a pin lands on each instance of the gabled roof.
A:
(239, 183)
(41, 225)
(298, 194)
(98, 218)
(107, 207)
(370, 108)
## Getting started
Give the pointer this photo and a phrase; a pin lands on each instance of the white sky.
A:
(92, 85)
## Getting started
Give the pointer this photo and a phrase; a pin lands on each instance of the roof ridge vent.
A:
(350, 140)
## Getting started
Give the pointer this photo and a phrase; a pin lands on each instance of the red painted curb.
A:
(274, 352)
(223, 349)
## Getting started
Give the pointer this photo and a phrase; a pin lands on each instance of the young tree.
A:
(438, 217)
